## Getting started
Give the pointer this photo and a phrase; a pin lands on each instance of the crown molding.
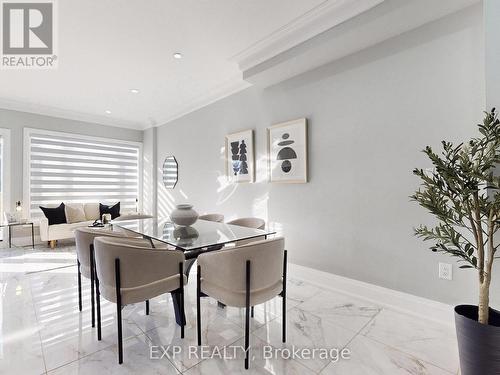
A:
(44, 110)
(324, 16)
(317, 20)
(384, 22)
(229, 87)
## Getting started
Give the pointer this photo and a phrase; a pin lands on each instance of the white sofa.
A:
(53, 233)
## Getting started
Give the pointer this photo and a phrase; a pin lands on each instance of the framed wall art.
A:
(287, 151)
(240, 157)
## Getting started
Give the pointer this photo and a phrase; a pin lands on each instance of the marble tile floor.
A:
(42, 331)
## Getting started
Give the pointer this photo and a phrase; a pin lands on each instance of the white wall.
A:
(370, 115)
(492, 54)
(149, 155)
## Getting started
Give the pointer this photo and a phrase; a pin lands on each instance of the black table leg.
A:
(10, 237)
(176, 301)
(180, 318)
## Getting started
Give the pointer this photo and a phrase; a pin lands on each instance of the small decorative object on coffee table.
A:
(184, 215)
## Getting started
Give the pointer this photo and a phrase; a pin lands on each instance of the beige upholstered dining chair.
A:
(130, 272)
(249, 222)
(219, 218)
(244, 276)
(84, 238)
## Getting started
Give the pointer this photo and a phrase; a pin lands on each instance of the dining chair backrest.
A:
(249, 222)
(226, 268)
(84, 237)
(140, 265)
(219, 218)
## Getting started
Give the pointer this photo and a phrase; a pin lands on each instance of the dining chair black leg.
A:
(147, 307)
(181, 288)
(118, 310)
(284, 295)
(251, 312)
(247, 314)
(198, 305)
(79, 286)
(98, 307)
(92, 297)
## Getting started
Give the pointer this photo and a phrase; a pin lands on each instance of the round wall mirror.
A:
(170, 172)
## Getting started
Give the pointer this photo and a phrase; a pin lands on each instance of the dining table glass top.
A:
(201, 234)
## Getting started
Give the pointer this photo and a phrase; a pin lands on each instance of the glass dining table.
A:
(201, 237)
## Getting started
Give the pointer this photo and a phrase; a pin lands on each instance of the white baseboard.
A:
(384, 297)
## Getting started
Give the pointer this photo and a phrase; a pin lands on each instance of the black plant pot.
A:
(478, 344)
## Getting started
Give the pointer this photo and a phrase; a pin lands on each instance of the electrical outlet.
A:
(445, 271)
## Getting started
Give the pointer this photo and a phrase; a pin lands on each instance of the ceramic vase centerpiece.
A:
(184, 215)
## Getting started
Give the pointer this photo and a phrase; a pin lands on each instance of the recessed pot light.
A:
(177, 55)
(108, 112)
(134, 91)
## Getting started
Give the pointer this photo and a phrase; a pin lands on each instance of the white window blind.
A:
(72, 169)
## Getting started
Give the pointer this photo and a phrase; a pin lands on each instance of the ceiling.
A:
(107, 47)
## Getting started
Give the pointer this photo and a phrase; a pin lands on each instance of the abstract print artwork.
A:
(287, 151)
(240, 157)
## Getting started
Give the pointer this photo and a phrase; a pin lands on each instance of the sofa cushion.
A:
(91, 211)
(62, 231)
(55, 215)
(113, 210)
(75, 213)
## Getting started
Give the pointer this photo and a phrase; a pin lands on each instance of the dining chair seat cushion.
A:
(144, 292)
(238, 298)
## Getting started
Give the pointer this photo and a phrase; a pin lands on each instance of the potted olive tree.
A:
(462, 191)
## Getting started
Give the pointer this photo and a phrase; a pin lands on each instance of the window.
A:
(70, 168)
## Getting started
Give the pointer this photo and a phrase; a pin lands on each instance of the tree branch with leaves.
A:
(463, 193)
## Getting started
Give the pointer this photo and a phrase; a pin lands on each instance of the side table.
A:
(15, 224)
